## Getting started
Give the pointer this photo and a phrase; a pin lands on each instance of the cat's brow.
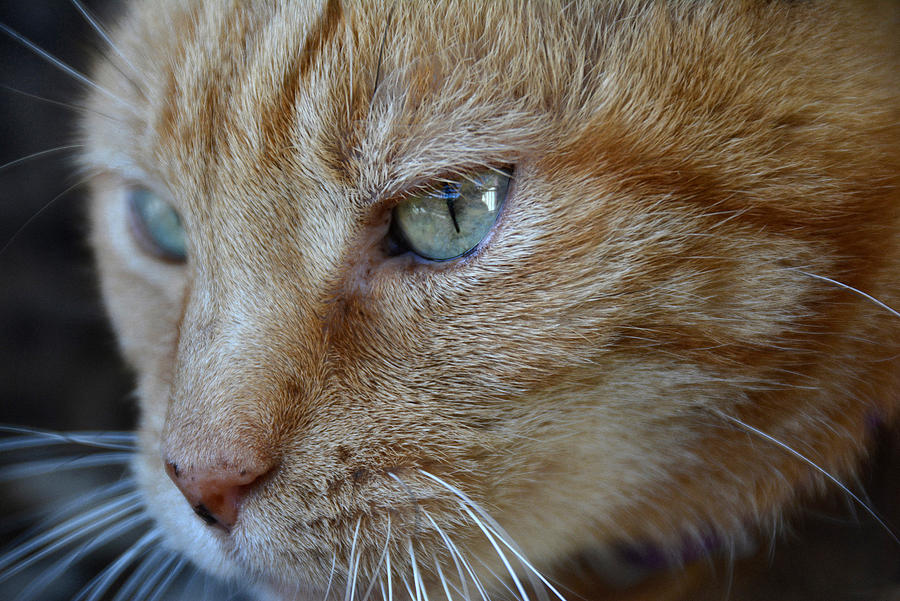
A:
(323, 30)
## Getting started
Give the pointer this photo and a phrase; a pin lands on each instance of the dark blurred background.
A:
(58, 364)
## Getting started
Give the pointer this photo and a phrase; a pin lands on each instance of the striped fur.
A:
(705, 203)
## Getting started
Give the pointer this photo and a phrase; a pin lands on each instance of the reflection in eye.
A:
(450, 220)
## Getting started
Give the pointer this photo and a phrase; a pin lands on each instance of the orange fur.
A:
(683, 172)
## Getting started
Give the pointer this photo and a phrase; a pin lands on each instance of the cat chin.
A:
(228, 558)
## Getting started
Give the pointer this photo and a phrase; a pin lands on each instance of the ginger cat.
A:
(461, 299)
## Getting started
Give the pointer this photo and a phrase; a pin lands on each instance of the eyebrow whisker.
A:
(72, 72)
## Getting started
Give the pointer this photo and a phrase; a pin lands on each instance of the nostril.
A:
(216, 493)
(206, 515)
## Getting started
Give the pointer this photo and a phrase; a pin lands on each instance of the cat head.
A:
(689, 206)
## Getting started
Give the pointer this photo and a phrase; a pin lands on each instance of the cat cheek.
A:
(143, 296)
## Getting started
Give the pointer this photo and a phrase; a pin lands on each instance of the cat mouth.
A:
(432, 534)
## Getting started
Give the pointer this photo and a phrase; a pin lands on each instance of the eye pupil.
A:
(452, 219)
(156, 225)
(451, 193)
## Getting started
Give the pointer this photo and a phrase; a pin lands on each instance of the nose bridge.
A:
(236, 369)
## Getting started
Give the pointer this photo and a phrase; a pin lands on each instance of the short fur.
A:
(705, 204)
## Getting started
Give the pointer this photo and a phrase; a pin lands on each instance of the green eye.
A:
(156, 225)
(451, 219)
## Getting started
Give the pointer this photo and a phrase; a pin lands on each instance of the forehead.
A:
(370, 96)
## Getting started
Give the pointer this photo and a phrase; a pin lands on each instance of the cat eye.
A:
(449, 220)
(156, 225)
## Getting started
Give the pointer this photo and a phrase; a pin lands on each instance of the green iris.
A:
(451, 219)
(157, 225)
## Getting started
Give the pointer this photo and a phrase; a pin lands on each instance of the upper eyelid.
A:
(422, 186)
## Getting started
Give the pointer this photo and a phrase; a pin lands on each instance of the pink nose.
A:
(216, 493)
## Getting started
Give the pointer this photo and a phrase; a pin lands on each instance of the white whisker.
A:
(101, 31)
(192, 589)
(350, 589)
(66, 533)
(77, 75)
(37, 467)
(331, 576)
(417, 576)
(98, 586)
(169, 579)
(458, 559)
(409, 589)
(40, 211)
(496, 576)
(869, 297)
(453, 556)
(747, 427)
(494, 527)
(355, 572)
(442, 578)
(36, 155)
(381, 561)
(68, 510)
(63, 564)
(522, 594)
(123, 441)
(390, 583)
(150, 570)
(66, 105)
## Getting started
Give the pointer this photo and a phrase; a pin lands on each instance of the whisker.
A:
(101, 31)
(330, 576)
(522, 594)
(66, 533)
(37, 467)
(78, 108)
(355, 572)
(453, 556)
(73, 507)
(390, 584)
(409, 590)
(497, 576)
(77, 75)
(63, 564)
(150, 569)
(458, 559)
(869, 297)
(747, 427)
(381, 560)
(501, 536)
(350, 589)
(494, 527)
(442, 578)
(39, 154)
(193, 589)
(103, 440)
(169, 579)
(101, 583)
(417, 576)
(40, 211)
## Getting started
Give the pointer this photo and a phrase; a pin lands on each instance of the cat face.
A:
(687, 185)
